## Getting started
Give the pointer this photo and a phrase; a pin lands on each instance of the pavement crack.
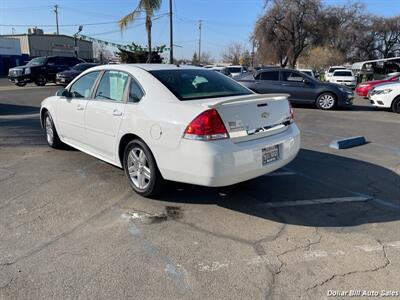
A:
(379, 268)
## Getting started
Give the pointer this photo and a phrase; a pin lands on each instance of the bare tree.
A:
(101, 53)
(287, 28)
(387, 36)
(234, 53)
(347, 29)
(206, 58)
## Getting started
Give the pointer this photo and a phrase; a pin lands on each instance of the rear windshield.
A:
(235, 69)
(193, 84)
(343, 73)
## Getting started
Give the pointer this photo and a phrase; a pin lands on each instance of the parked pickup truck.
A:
(42, 69)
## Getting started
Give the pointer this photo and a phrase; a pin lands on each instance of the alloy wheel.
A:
(326, 101)
(49, 130)
(138, 168)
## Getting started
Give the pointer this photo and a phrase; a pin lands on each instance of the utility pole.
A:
(199, 57)
(252, 54)
(171, 39)
(56, 11)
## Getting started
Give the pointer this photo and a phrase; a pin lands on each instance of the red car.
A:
(363, 88)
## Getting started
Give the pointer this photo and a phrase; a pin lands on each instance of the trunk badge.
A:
(265, 115)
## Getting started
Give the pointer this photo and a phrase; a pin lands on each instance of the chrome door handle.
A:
(79, 107)
(117, 113)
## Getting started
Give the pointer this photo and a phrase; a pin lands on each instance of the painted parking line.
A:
(316, 201)
(382, 202)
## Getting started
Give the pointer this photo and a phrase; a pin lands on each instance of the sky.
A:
(223, 21)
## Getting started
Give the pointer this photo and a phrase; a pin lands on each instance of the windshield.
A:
(331, 70)
(235, 69)
(37, 61)
(343, 73)
(82, 67)
(193, 84)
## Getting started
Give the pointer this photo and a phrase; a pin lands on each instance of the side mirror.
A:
(306, 81)
(63, 93)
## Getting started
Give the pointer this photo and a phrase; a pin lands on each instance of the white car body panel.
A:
(160, 119)
(384, 100)
(329, 73)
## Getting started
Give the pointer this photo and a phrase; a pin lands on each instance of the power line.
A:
(74, 25)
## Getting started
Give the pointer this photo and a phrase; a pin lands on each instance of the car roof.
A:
(341, 70)
(158, 67)
(146, 67)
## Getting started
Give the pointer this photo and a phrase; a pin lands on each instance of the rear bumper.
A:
(224, 162)
(362, 91)
(63, 81)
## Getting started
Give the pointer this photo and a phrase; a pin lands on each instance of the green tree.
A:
(148, 7)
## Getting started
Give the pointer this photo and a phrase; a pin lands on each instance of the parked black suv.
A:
(41, 69)
(301, 87)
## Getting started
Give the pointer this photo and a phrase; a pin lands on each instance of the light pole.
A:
(75, 41)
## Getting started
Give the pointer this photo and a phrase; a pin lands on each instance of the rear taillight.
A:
(206, 126)
(291, 112)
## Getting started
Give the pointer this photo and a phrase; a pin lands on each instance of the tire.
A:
(52, 137)
(396, 105)
(141, 169)
(40, 80)
(20, 84)
(326, 101)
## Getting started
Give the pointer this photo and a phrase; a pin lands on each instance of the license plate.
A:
(270, 154)
(62, 80)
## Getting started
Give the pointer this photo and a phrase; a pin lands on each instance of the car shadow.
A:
(311, 176)
(12, 109)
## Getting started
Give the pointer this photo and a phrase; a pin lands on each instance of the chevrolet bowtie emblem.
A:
(265, 115)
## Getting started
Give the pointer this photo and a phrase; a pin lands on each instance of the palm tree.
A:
(148, 7)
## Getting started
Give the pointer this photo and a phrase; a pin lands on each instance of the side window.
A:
(271, 76)
(82, 87)
(72, 61)
(112, 86)
(135, 92)
(292, 76)
(51, 61)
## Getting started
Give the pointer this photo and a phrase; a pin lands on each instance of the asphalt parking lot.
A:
(71, 227)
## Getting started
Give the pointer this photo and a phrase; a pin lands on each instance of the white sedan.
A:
(344, 77)
(168, 122)
(386, 96)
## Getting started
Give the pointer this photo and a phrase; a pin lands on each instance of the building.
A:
(35, 43)
(10, 55)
